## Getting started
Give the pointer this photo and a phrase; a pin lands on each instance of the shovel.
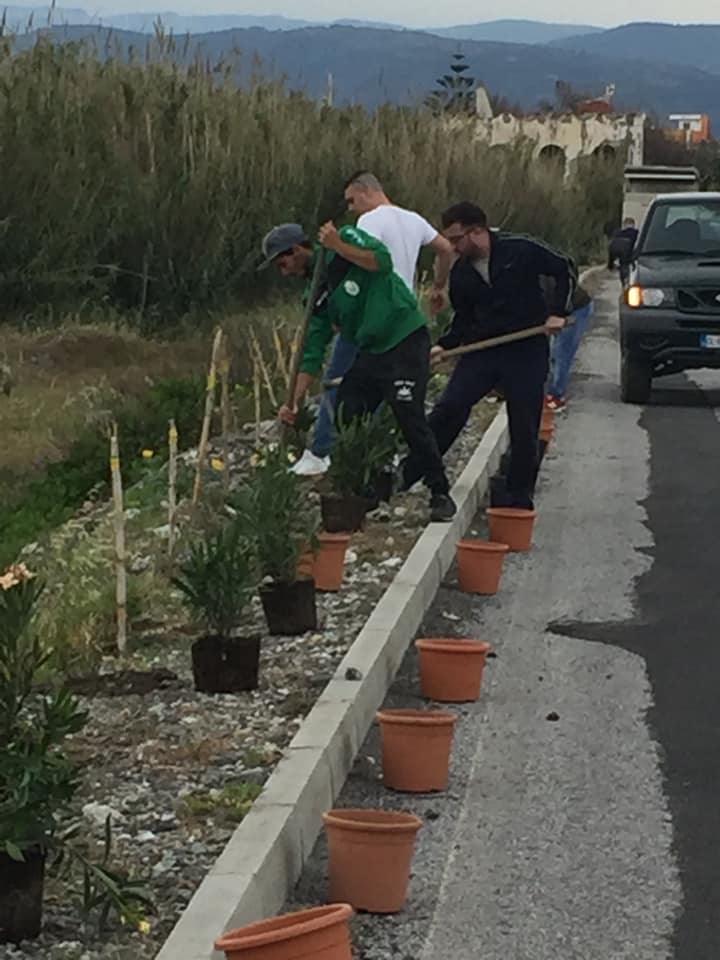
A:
(469, 348)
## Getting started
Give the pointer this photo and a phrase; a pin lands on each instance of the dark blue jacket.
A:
(514, 299)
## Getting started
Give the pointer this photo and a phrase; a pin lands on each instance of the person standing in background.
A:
(621, 248)
(404, 233)
(563, 348)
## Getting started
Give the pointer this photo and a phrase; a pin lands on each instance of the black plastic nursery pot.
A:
(343, 514)
(21, 896)
(289, 607)
(225, 664)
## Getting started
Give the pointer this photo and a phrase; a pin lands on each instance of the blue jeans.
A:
(341, 359)
(563, 350)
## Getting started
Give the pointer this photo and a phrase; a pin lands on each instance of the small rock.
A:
(139, 564)
(350, 558)
(98, 813)
(400, 512)
(553, 717)
(146, 836)
(393, 562)
(352, 674)
(451, 616)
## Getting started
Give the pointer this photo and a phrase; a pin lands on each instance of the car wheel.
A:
(635, 380)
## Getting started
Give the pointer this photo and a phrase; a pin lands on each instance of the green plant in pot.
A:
(38, 781)
(275, 511)
(217, 579)
(362, 453)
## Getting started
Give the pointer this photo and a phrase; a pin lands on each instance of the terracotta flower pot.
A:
(369, 854)
(512, 526)
(328, 565)
(480, 565)
(320, 933)
(546, 434)
(451, 670)
(416, 749)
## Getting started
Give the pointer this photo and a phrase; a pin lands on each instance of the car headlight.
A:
(648, 297)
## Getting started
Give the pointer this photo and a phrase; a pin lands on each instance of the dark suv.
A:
(670, 312)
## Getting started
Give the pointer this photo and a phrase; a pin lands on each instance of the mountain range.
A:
(656, 68)
(501, 31)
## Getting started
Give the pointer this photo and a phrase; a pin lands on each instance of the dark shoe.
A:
(442, 508)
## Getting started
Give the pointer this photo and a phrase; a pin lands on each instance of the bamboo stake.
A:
(280, 355)
(257, 398)
(209, 404)
(255, 346)
(172, 485)
(119, 528)
(225, 407)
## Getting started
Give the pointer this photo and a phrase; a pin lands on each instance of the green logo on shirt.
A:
(352, 289)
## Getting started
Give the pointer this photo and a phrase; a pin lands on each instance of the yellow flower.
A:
(144, 926)
(291, 457)
(255, 460)
(148, 454)
(217, 464)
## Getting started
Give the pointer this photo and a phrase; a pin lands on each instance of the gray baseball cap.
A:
(281, 238)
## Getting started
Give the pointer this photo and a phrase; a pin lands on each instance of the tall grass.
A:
(145, 186)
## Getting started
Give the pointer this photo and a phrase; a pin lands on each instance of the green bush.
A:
(363, 447)
(273, 510)
(217, 578)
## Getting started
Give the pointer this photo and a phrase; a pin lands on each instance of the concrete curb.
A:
(265, 856)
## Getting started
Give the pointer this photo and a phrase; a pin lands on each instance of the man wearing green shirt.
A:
(367, 302)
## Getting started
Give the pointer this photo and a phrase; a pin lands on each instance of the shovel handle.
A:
(302, 331)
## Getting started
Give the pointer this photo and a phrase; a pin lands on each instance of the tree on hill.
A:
(455, 91)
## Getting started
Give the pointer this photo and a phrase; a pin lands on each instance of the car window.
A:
(692, 228)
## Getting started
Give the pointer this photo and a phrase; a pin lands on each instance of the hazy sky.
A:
(610, 12)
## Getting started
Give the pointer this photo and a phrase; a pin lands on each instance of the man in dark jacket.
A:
(495, 288)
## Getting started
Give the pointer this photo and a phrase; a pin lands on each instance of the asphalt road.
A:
(596, 835)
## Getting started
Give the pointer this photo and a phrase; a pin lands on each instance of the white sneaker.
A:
(310, 466)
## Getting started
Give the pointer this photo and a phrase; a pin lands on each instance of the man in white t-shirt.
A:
(404, 233)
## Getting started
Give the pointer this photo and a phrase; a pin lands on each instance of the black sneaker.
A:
(442, 508)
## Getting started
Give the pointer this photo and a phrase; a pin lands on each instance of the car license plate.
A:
(711, 340)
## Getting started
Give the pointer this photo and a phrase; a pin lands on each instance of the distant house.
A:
(602, 105)
(689, 128)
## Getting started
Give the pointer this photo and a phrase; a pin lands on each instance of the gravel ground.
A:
(159, 762)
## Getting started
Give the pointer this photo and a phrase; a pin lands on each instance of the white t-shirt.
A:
(403, 232)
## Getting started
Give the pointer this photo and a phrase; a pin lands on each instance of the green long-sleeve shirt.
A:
(373, 309)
